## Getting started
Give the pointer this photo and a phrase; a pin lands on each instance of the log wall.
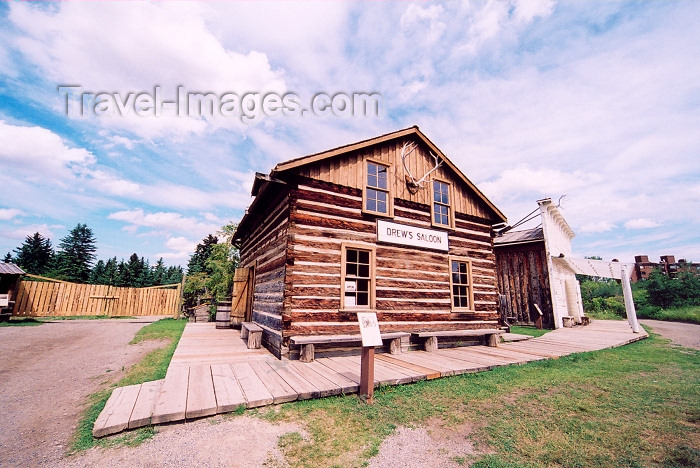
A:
(523, 279)
(348, 170)
(265, 251)
(412, 285)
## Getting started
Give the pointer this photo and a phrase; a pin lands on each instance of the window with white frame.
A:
(377, 193)
(461, 284)
(357, 280)
(442, 208)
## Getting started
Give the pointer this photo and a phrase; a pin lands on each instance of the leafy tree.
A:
(35, 255)
(76, 255)
(663, 291)
(198, 260)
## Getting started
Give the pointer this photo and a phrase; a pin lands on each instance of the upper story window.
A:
(442, 204)
(377, 193)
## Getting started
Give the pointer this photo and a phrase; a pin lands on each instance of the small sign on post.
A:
(371, 337)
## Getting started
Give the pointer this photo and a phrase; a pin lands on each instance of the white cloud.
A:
(641, 223)
(165, 222)
(38, 151)
(20, 233)
(151, 44)
(600, 226)
(7, 214)
(181, 248)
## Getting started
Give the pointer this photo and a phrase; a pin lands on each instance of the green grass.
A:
(530, 331)
(82, 317)
(638, 405)
(21, 322)
(152, 367)
(689, 314)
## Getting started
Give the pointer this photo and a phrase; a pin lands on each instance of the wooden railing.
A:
(60, 298)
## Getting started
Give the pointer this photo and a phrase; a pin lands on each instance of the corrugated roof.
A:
(10, 269)
(518, 237)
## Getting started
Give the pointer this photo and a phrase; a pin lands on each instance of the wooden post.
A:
(367, 374)
(629, 302)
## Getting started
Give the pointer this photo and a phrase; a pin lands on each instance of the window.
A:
(358, 278)
(377, 194)
(461, 284)
(442, 212)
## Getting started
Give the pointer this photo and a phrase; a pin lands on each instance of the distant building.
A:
(667, 266)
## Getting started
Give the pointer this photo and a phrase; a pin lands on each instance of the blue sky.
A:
(596, 100)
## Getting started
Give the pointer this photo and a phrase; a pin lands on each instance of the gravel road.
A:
(683, 334)
(46, 373)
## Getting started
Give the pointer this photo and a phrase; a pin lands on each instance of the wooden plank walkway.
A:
(212, 371)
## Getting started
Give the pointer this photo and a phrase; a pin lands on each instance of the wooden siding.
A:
(265, 250)
(412, 285)
(348, 170)
(523, 279)
(63, 299)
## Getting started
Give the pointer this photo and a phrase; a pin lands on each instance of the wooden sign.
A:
(4, 300)
(402, 234)
(369, 329)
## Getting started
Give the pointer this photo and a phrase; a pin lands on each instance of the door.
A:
(242, 296)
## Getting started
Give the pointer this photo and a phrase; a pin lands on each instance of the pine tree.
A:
(7, 258)
(76, 255)
(198, 260)
(35, 255)
(97, 274)
(159, 272)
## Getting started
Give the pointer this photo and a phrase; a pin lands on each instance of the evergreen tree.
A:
(123, 276)
(110, 273)
(8, 258)
(98, 273)
(35, 255)
(76, 255)
(198, 260)
(173, 275)
(159, 273)
(135, 268)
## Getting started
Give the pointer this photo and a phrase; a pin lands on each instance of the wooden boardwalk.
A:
(213, 372)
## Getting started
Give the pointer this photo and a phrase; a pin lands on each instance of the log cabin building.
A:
(388, 225)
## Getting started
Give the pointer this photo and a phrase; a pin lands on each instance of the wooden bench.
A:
(307, 342)
(252, 333)
(431, 337)
(568, 321)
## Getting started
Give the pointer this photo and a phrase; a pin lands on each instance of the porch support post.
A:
(629, 302)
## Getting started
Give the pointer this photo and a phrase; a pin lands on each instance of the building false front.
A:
(388, 225)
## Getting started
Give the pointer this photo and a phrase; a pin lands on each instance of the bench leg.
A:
(254, 340)
(492, 340)
(431, 344)
(307, 353)
(395, 346)
(244, 333)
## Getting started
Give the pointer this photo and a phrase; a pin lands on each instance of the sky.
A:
(598, 101)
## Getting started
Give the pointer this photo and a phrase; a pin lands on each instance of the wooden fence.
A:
(59, 298)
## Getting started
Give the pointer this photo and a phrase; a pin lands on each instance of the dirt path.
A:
(683, 334)
(46, 373)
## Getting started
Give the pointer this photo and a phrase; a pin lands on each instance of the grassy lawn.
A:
(689, 314)
(638, 405)
(152, 367)
(531, 331)
(21, 322)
